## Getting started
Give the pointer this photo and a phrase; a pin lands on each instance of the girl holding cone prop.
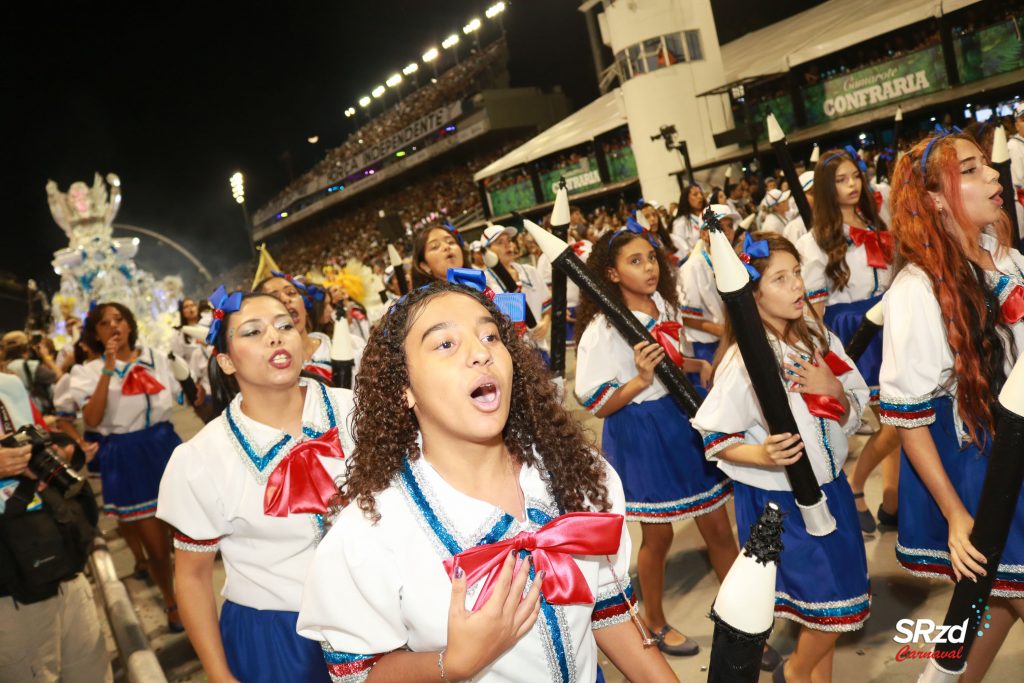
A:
(633, 331)
(954, 325)
(1000, 496)
(788, 447)
(396, 262)
(560, 227)
(744, 611)
(645, 436)
(777, 138)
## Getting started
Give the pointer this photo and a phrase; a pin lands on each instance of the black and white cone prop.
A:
(897, 126)
(865, 332)
(777, 139)
(179, 368)
(999, 496)
(815, 155)
(396, 263)
(563, 258)
(342, 356)
(744, 610)
(737, 291)
(1001, 162)
(560, 228)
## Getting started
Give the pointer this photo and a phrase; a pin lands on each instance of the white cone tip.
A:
(196, 331)
(815, 153)
(550, 245)
(560, 212)
(935, 673)
(899, 114)
(1000, 149)
(179, 368)
(1012, 394)
(775, 133)
(642, 220)
(818, 518)
(876, 314)
(341, 341)
(730, 275)
(745, 223)
(728, 172)
(490, 258)
(393, 256)
(746, 600)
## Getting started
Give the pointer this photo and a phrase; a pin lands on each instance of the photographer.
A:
(33, 364)
(49, 628)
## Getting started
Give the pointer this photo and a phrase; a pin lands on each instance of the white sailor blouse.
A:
(214, 493)
(377, 588)
(730, 415)
(686, 234)
(862, 248)
(917, 362)
(128, 408)
(604, 361)
(700, 298)
(531, 283)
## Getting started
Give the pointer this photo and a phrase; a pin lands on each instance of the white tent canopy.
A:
(600, 116)
(822, 30)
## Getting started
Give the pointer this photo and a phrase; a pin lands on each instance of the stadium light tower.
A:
(496, 11)
(430, 57)
(450, 42)
(238, 192)
(473, 29)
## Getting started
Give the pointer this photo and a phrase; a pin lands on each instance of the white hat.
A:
(475, 245)
(806, 180)
(774, 197)
(493, 232)
(1018, 109)
(725, 211)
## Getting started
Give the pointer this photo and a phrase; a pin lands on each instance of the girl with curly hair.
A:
(647, 438)
(954, 325)
(463, 449)
(822, 581)
(846, 259)
(255, 485)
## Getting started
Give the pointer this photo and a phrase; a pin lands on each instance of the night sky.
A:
(175, 97)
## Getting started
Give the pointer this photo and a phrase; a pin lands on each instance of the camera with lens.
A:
(45, 463)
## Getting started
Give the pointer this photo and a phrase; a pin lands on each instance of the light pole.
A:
(238, 192)
(472, 29)
(450, 42)
(430, 57)
(495, 11)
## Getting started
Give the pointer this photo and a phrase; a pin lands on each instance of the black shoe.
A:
(887, 520)
(687, 648)
(867, 521)
(770, 659)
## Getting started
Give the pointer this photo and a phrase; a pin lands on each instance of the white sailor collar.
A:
(647, 320)
(261, 447)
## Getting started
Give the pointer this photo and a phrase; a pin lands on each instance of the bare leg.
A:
(156, 537)
(131, 537)
(656, 540)
(881, 445)
(717, 533)
(823, 672)
(891, 482)
(812, 647)
(983, 652)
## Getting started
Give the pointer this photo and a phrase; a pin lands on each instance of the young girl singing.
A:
(647, 438)
(954, 325)
(255, 484)
(466, 467)
(822, 581)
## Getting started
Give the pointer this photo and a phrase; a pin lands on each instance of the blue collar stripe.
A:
(259, 462)
(435, 524)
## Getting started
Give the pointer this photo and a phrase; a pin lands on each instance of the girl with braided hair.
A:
(846, 260)
(953, 328)
(465, 461)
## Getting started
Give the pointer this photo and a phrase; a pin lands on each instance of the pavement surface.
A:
(866, 656)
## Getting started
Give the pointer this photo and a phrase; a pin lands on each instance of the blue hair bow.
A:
(753, 249)
(455, 233)
(511, 304)
(634, 227)
(940, 133)
(309, 293)
(223, 303)
(861, 164)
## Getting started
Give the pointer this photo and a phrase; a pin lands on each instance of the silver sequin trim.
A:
(832, 628)
(610, 591)
(712, 453)
(617, 619)
(196, 547)
(646, 519)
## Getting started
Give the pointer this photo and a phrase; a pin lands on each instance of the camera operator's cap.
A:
(724, 211)
(15, 338)
(475, 245)
(774, 197)
(806, 180)
(493, 232)
(1018, 109)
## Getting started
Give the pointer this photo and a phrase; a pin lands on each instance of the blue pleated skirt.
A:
(660, 459)
(822, 581)
(844, 319)
(132, 465)
(262, 646)
(922, 546)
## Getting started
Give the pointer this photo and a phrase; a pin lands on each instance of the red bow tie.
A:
(579, 247)
(300, 483)
(319, 370)
(824, 406)
(877, 243)
(878, 200)
(667, 334)
(1020, 195)
(1013, 307)
(138, 381)
(552, 547)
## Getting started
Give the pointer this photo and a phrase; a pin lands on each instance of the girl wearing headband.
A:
(316, 346)
(257, 485)
(466, 464)
(954, 325)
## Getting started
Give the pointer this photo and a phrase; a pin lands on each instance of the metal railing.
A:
(140, 662)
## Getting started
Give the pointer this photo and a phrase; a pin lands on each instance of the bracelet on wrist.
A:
(108, 372)
(440, 664)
